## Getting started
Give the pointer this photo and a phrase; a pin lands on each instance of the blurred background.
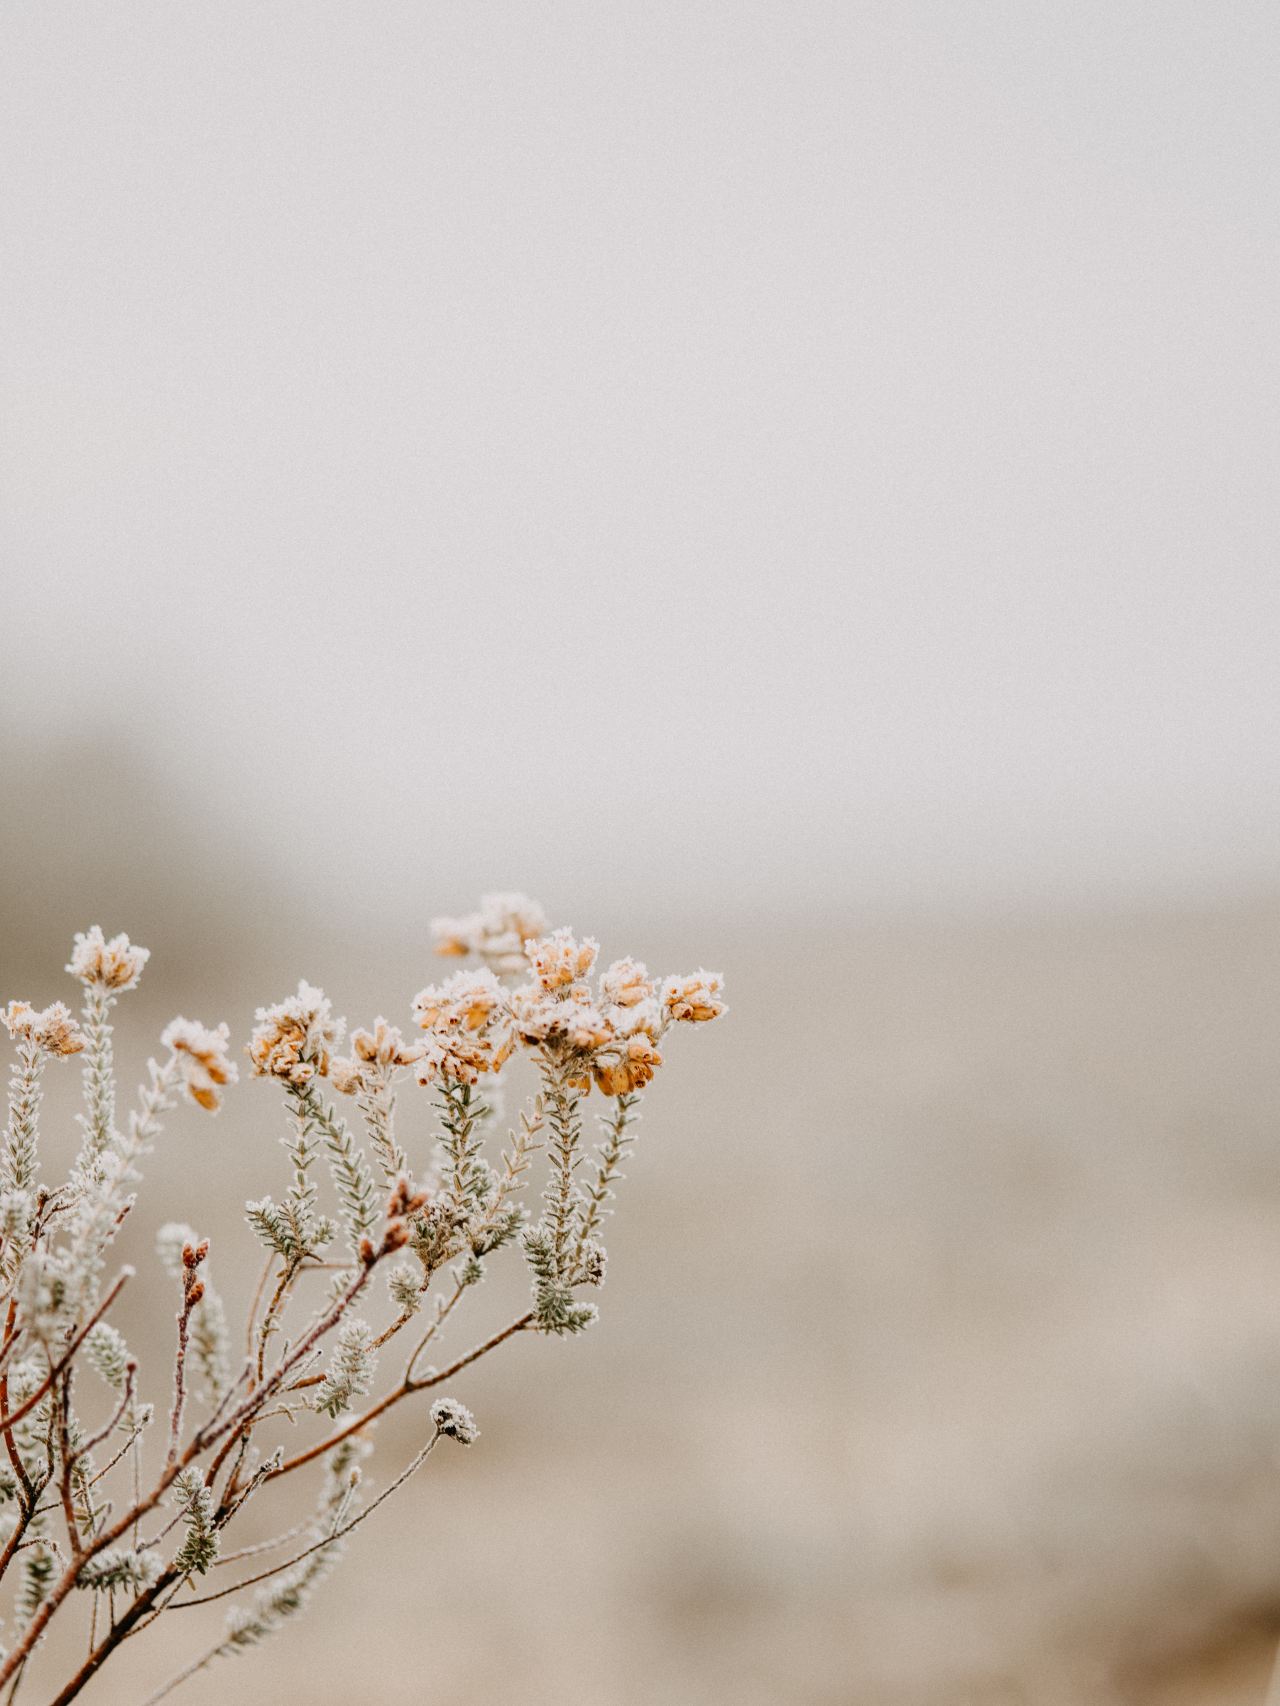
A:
(792, 485)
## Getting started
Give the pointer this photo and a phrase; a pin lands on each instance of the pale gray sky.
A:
(769, 453)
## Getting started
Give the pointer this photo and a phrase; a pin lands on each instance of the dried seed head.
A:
(454, 1420)
(405, 1199)
(539, 1015)
(171, 1241)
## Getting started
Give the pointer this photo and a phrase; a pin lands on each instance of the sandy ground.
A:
(940, 1361)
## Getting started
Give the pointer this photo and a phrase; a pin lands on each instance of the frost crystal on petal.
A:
(293, 1039)
(202, 1060)
(115, 965)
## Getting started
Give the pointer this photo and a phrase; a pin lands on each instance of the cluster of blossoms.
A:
(293, 1039)
(52, 1028)
(115, 965)
(497, 933)
(534, 990)
(375, 1054)
(466, 1023)
(607, 1035)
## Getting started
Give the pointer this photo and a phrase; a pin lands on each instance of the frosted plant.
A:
(124, 1505)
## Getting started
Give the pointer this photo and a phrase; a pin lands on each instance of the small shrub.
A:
(120, 1512)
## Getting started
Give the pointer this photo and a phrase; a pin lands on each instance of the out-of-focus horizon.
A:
(792, 487)
(781, 456)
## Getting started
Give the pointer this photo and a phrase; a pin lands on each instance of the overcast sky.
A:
(755, 453)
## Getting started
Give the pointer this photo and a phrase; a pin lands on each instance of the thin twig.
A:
(329, 1540)
(130, 1373)
(396, 1394)
(24, 1409)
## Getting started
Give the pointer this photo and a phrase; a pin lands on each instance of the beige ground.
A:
(941, 1352)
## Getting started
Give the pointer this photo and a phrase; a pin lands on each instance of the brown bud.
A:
(367, 1254)
(396, 1238)
(195, 1294)
(189, 1257)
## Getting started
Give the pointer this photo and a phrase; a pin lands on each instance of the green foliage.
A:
(404, 1287)
(352, 1177)
(108, 1355)
(98, 1121)
(293, 1232)
(39, 1567)
(618, 1137)
(200, 1544)
(493, 1234)
(554, 1306)
(350, 1373)
(119, 1567)
(18, 1161)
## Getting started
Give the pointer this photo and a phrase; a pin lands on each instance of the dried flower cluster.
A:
(53, 1030)
(122, 1502)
